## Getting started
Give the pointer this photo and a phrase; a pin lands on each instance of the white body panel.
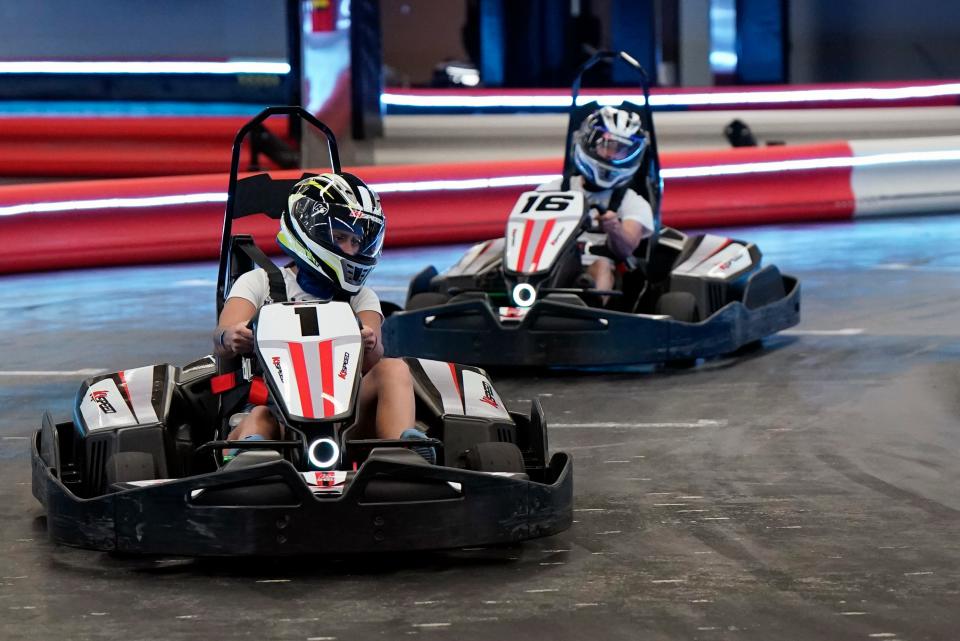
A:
(480, 399)
(104, 407)
(126, 398)
(139, 383)
(478, 257)
(539, 226)
(716, 257)
(443, 377)
(475, 396)
(314, 370)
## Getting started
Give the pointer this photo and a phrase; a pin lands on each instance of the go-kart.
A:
(520, 300)
(140, 467)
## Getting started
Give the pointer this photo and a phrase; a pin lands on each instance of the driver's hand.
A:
(238, 338)
(609, 222)
(369, 338)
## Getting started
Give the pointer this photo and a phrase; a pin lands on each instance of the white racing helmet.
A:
(608, 147)
(317, 208)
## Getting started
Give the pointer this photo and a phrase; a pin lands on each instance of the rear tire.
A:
(124, 467)
(426, 299)
(495, 457)
(680, 306)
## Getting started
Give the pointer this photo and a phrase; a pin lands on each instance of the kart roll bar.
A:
(655, 183)
(230, 213)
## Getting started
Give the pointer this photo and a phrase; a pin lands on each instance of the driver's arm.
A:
(623, 237)
(370, 334)
(232, 336)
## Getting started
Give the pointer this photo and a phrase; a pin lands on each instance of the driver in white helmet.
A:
(333, 229)
(608, 149)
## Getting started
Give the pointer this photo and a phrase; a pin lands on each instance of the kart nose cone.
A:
(524, 295)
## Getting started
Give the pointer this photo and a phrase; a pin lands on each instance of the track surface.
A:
(805, 491)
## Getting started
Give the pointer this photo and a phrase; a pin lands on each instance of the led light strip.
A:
(896, 158)
(143, 67)
(681, 100)
(952, 155)
(465, 183)
(113, 203)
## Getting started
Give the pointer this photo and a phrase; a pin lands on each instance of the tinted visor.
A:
(607, 147)
(349, 232)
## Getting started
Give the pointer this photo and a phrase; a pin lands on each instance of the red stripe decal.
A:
(544, 235)
(303, 381)
(527, 230)
(123, 386)
(326, 377)
(726, 241)
(456, 382)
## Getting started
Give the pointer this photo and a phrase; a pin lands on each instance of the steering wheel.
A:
(589, 223)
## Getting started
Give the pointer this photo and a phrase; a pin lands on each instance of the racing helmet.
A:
(317, 208)
(608, 147)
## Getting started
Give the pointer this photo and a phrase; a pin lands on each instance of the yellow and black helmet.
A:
(321, 209)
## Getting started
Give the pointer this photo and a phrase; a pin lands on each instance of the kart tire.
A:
(495, 457)
(680, 306)
(124, 467)
(426, 299)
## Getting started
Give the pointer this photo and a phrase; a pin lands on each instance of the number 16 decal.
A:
(547, 202)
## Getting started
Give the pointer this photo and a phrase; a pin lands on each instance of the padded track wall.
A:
(110, 222)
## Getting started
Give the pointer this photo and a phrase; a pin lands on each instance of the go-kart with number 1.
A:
(139, 468)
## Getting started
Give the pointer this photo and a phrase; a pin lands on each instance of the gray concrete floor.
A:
(804, 491)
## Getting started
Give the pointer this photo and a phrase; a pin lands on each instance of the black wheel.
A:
(681, 363)
(749, 348)
(426, 299)
(680, 306)
(495, 457)
(124, 467)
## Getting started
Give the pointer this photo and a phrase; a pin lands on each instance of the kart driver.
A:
(608, 148)
(333, 229)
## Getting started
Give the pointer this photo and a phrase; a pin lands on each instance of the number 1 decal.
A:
(308, 320)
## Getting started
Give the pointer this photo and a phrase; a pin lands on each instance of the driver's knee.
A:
(394, 370)
(260, 421)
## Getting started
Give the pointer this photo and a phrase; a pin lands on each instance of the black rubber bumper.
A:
(561, 334)
(167, 519)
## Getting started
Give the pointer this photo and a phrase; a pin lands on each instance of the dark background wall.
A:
(141, 29)
(417, 34)
(874, 40)
(830, 40)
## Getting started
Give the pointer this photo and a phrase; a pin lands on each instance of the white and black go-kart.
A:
(516, 300)
(138, 468)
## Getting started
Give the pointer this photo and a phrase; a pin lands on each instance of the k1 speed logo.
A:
(101, 401)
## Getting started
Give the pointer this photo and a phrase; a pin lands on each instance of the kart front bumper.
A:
(165, 518)
(561, 334)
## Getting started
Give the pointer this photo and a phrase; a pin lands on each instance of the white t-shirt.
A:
(254, 286)
(632, 207)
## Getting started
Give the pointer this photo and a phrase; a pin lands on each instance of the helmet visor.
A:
(348, 232)
(611, 148)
